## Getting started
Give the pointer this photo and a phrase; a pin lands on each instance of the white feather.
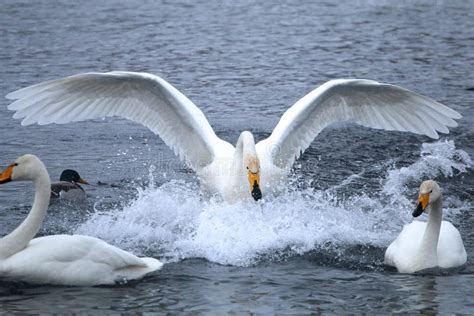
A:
(140, 97)
(60, 259)
(364, 102)
(154, 103)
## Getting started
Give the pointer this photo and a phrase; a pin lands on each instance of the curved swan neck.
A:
(429, 243)
(245, 146)
(21, 236)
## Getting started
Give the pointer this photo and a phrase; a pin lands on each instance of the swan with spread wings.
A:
(248, 170)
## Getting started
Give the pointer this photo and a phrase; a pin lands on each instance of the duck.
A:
(250, 170)
(424, 245)
(68, 186)
(74, 260)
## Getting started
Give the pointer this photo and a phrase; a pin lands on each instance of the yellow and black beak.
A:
(83, 181)
(423, 200)
(6, 176)
(254, 181)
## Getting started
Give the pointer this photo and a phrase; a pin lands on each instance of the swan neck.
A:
(22, 235)
(429, 242)
(246, 145)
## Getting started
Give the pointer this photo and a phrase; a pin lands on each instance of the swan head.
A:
(252, 165)
(429, 193)
(25, 168)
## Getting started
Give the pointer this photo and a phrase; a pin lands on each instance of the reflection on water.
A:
(424, 294)
(428, 295)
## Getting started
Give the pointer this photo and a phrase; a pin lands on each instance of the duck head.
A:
(73, 176)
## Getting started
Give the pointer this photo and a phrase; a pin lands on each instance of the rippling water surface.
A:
(317, 248)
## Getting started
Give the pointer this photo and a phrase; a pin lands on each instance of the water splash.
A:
(172, 222)
(438, 159)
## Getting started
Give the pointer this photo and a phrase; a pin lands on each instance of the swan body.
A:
(250, 169)
(60, 259)
(423, 245)
(74, 260)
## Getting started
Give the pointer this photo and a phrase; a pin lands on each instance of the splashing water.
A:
(436, 159)
(173, 222)
(439, 158)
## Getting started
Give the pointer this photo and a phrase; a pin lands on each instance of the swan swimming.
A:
(60, 259)
(423, 245)
(248, 170)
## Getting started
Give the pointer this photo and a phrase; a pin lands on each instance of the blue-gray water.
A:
(318, 248)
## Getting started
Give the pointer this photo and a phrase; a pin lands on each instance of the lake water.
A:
(317, 248)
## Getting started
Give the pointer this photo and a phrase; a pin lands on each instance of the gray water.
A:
(317, 248)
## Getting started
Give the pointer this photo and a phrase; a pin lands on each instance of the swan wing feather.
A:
(451, 251)
(405, 247)
(364, 102)
(75, 248)
(74, 260)
(140, 97)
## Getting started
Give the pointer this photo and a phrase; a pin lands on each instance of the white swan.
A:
(249, 169)
(60, 259)
(423, 245)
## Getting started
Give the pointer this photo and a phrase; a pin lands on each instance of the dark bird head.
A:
(70, 175)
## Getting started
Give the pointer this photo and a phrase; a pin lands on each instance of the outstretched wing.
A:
(365, 102)
(140, 97)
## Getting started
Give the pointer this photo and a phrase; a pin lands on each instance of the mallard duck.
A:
(68, 186)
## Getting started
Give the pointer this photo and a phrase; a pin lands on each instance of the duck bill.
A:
(254, 181)
(6, 176)
(422, 204)
(83, 181)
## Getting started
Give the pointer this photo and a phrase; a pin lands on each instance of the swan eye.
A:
(431, 191)
(247, 168)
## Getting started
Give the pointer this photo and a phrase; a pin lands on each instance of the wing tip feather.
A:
(11, 95)
(456, 115)
(25, 122)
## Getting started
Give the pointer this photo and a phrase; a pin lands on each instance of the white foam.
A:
(173, 223)
(436, 159)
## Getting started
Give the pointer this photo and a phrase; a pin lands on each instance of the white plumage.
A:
(423, 245)
(222, 168)
(74, 260)
(60, 259)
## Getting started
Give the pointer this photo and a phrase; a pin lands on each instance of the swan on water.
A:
(60, 259)
(423, 245)
(249, 169)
